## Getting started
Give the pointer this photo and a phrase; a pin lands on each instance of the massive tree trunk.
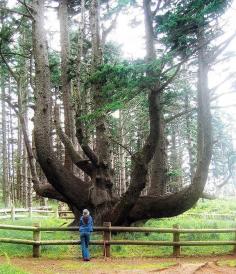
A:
(97, 194)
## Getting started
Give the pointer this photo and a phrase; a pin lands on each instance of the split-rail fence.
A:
(107, 240)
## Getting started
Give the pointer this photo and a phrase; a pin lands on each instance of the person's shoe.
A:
(86, 260)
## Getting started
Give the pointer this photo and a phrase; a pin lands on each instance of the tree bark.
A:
(5, 182)
(189, 140)
(122, 156)
(102, 142)
(66, 83)
(159, 165)
(19, 162)
(60, 178)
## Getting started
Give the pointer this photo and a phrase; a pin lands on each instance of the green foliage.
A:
(54, 65)
(112, 53)
(180, 25)
(174, 173)
(121, 82)
(223, 149)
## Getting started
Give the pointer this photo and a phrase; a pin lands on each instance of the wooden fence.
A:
(17, 213)
(67, 214)
(212, 216)
(107, 241)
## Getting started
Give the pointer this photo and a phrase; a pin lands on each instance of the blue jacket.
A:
(86, 227)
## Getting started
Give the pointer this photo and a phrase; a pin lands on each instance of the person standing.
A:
(85, 229)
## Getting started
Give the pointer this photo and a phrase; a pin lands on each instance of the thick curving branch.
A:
(76, 158)
(142, 158)
(57, 175)
(177, 203)
(163, 206)
(43, 189)
(46, 190)
(83, 142)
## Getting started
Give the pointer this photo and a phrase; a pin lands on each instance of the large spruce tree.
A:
(175, 32)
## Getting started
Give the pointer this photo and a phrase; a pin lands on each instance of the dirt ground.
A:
(189, 265)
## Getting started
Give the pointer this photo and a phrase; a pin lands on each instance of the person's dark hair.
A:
(85, 219)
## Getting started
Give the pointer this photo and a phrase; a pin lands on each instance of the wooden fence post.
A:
(30, 212)
(176, 248)
(107, 237)
(13, 216)
(36, 237)
(57, 213)
(234, 250)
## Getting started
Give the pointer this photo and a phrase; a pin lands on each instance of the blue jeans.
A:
(84, 238)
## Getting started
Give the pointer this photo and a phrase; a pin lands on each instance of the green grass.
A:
(9, 269)
(231, 263)
(184, 221)
(20, 250)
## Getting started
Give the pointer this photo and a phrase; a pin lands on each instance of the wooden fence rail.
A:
(13, 213)
(67, 214)
(107, 241)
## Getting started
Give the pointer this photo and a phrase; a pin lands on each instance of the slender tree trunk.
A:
(189, 139)
(102, 142)
(175, 162)
(29, 190)
(122, 156)
(25, 178)
(5, 166)
(159, 165)
(66, 83)
(19, 178)
(12, 155)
